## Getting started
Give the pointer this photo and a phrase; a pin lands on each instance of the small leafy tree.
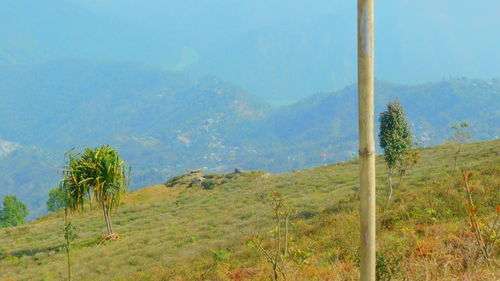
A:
(57, 199)
(282, 250)
(460, 136)
(13, 212)
(395, 138)
(96, 175)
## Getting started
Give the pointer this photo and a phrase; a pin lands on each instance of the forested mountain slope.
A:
(327, 122)
(164, 123)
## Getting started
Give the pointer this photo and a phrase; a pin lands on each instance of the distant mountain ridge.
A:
(431, 107)
(280, 50)
(117, 96)
(164, 123)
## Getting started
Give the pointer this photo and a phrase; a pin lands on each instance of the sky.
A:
(278, 50)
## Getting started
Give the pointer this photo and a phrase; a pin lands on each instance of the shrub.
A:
(173, 181)
(57, 199)
(13, 213)
(195, 182)
(208, 184)
(387, 266)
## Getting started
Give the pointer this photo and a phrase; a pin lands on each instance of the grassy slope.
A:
(170, 233)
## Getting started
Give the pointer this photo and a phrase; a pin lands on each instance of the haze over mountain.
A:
(279, 50)
(150, 78)
(164, 123)
(238, 120)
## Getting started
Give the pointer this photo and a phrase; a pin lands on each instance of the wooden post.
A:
(366, 138)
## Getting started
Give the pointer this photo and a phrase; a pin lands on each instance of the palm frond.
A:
(96, 174)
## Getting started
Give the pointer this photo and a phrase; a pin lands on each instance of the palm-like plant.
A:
(96, 175)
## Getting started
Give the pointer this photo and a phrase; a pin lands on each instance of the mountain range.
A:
(279, 50)
(164, 123)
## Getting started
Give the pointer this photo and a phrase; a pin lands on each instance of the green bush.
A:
(208, 184)
(13, 212)
(57, 199)
(388, 266)
(195, 182)
(173, 181)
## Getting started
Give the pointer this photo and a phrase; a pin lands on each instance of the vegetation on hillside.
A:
(97, 175)
(29, 173)
(171, 122)
(192, 233)
(460, 136)
(57, 199)
(395, 138)
(12, 212)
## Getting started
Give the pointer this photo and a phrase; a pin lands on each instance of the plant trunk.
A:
(456, 156)
(69, 262)
(68, 256)
(285, 253)
(401, 175)
(474, 223)
(278, 248)
(390, 184)
(107, 219)
(108, 211)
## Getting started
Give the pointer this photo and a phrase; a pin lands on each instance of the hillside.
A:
(167, 123)
(170, 122)
(327, 122)
(181, 233)
(95, 102)
(29, 172)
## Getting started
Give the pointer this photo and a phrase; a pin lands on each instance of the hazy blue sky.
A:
(279, 50)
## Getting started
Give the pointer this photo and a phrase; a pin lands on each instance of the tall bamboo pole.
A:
(366, 138)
